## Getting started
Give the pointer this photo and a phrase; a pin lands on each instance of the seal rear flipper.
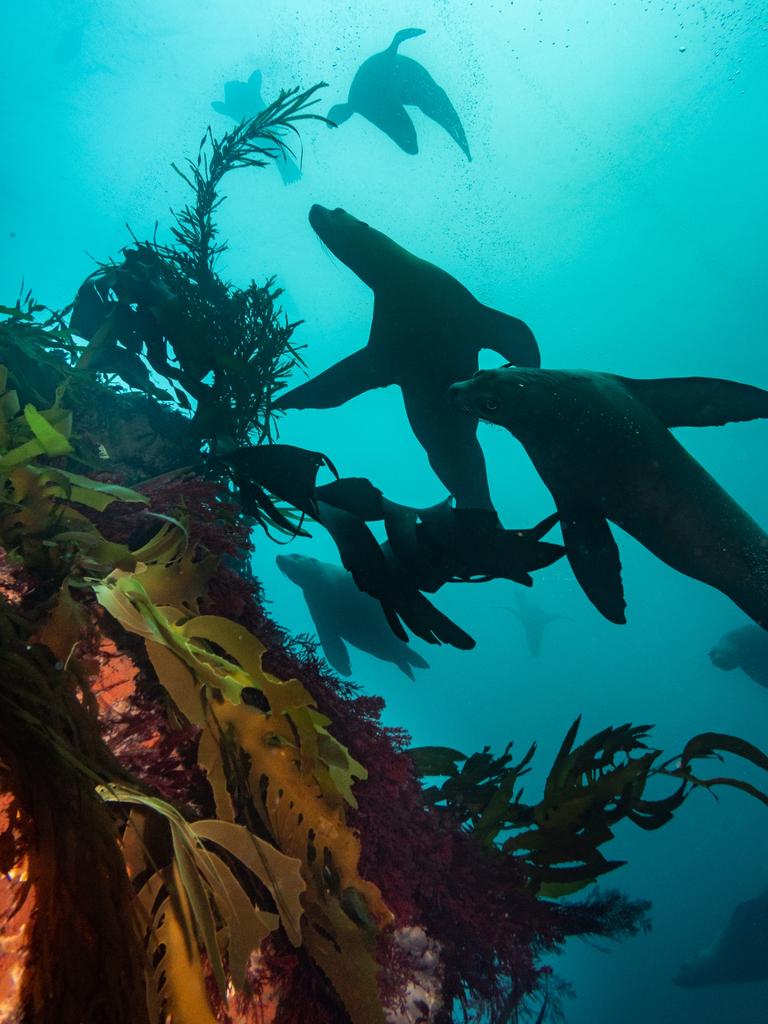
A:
(594, 558)
(511, 338)
(289, 170)
(346, 379)
(699, 401)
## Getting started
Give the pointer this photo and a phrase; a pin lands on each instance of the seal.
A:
(242, 100)
(386, 84)
(739, 954)
(602, 446)
(342, 612)
(534, 620)
(745, 648)
(426, 333)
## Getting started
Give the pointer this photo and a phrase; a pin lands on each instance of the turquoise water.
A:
(616, 202)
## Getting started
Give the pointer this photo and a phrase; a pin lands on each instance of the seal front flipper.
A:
(594, 558)
(334, 648)
(339, 113)
(344, 380)
(450, 442)
(511, 338)
(394, 121)
(699, 401)
(432, 100)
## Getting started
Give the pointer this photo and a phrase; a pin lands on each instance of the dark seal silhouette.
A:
(745, 648)
(601, 445)
(739, 954)
(342, 612)
(386, 84)
(426, 333)
(243, 99)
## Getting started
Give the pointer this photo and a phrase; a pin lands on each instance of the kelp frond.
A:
(590, 788)
(252, 143)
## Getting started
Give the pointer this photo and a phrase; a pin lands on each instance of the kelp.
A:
(425, 548)
(84, 956)
(590, 788)
(322, 839)
(298, 777)
(223, 350)
(303, 775)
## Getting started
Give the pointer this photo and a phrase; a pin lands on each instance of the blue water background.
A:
(616, 202)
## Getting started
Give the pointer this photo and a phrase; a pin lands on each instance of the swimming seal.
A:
(534, 619)
(386, 84)
(745, 648)
(342, 612)
(426, 333)
(602, 446)
(739, 954)
(242, 100)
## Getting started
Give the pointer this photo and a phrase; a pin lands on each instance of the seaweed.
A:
(239, 819)
(224, 351)
(589, 790)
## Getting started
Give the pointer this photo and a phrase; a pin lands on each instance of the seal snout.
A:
(317, 214)
(457, 395)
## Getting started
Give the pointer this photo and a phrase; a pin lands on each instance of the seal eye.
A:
(490, 404)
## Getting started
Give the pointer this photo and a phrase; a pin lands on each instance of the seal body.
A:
(340, 611)
(602, 446)
(244, 99)
(386, 83)
(745, 648)
(426, 332)
(739, 954)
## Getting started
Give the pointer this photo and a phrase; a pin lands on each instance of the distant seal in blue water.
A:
(386, 84)
(426, 333)
(745, 648)
(242, 100)
(738, 954)
(601, 445)
(534, 619)
(342, 612)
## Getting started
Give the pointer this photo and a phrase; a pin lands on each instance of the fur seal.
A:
(386, 84)
(426, 333)
(242, 100)
(602, 446)
(738, 954)
(534, 619)
(342, 612)
(745, 648)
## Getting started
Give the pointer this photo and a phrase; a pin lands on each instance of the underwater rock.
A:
(426, 333)
(243, 100)
(422, 998)
(386, 84)
(340, 611)
(745, 648)
(644, 480)
(739, 954)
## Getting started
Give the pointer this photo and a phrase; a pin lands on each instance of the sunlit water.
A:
(616, 202)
